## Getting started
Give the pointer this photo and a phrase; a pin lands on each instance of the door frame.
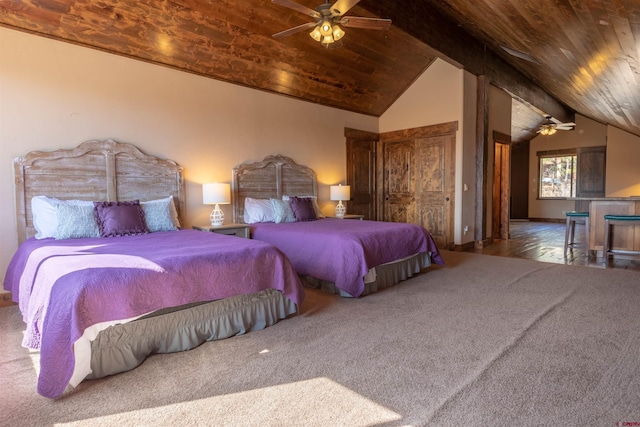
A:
(370, 140)
(501, 186)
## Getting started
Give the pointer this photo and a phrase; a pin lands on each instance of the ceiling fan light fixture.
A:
(325, 28)
(315, 34)
(328, 20)
(547, 130)
(338, 33)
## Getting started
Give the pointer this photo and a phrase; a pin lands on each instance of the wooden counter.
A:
(623, 237)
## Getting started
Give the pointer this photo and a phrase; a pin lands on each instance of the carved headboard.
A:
(97, 171)
(273, 177)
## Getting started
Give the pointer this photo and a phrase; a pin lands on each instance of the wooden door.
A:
(418, 170)
(399, 182)
(592, 162)
(519, 184)
(435, 187)
(361, 172)
(501, 192)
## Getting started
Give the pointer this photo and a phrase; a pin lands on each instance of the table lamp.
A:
(340, 193)
(216, 193)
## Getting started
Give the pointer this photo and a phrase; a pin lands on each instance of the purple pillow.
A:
(302, 208)
(120, 218)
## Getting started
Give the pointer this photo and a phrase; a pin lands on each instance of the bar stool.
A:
(611, 220)
(574, 217)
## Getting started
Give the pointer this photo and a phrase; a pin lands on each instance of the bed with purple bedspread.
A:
(343, 251)
(64, 287)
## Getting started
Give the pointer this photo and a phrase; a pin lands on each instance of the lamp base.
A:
(217, 216)
(340, 209)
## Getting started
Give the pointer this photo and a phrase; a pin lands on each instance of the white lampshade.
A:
(340, 192)
(216, 193)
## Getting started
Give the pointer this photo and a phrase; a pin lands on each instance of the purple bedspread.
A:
(65, 286)
(342, 251)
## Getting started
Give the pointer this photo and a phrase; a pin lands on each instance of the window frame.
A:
(570, 152)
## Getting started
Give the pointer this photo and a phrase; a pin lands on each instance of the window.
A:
(557, 174)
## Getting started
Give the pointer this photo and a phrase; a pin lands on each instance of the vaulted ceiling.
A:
(579, 55)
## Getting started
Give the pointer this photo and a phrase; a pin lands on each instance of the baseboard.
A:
(558, 220)
(479, 244)
(464, 247)
(5, 299)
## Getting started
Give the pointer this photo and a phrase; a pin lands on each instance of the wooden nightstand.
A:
(348, 216)
(240, 230)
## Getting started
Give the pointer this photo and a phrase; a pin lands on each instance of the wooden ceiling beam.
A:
(427, 24)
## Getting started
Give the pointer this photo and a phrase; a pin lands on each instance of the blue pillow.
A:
(75, 222)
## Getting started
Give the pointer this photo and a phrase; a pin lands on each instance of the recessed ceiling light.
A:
(519, 54)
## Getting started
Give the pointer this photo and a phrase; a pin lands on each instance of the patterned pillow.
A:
(160, 215)
(45, 215)
(282, 211)
(120, 218)
(75, 221)
(302, 208)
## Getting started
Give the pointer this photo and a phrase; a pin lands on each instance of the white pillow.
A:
(315, 204)
(161, 215)
(257, 210)
(45, 217)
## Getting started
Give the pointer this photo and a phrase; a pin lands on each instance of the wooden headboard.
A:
(97, 171)
(273, 177)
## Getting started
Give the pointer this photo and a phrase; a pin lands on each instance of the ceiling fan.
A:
(328, 20)
(552, 125)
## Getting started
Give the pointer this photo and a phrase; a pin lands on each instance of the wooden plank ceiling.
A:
(586, 54)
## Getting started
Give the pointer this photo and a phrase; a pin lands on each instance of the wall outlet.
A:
(466, 229)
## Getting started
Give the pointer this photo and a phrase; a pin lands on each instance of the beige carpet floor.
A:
(484, 341)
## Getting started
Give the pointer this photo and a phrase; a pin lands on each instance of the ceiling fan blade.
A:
(561, 127)
(294, 30)
(366, 23)
(298, 8)
(341, 7)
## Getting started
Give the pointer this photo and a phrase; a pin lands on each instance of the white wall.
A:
(435, 97)
(56, 95)
(623, 163)
(587, 133)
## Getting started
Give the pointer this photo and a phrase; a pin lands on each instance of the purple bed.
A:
(96, 306)
(344, 252)
(64, 287)
(348, 257)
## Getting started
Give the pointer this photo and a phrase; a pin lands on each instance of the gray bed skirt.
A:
(379, 277)
(124, 346)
